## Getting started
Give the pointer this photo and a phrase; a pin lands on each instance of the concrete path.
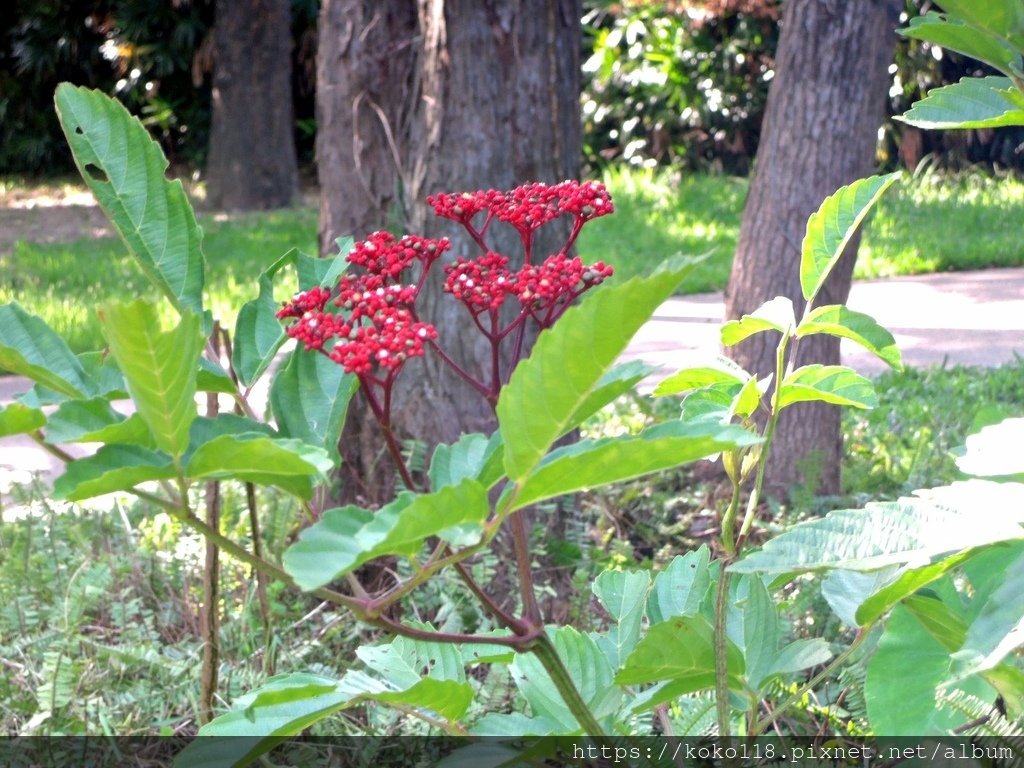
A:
(968, 318)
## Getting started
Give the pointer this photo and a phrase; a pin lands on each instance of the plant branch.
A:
(811, 684)
(723, 709)
(548, 657)
(521, 547)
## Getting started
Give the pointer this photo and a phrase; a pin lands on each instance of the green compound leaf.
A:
(837, 320)
(721, 370)
(680, 588)
(125, 170)
(774, 315)
(587, 666)
(681, 653)
(112, 468)
(594, 463)
(917, 531)
(346, 537)
(258, 332)
(290, 465)
(29, 347)
(830, 228)
(19, 419)
(974, 102)
(309, 399)
(474, 456)
(835, 384)
(622, 593)
(159, 368)
(567, 363)
(954, 34)
(95, 421)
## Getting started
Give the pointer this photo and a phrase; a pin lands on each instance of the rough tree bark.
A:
(820, 131)
(429, 97)
(252, 163)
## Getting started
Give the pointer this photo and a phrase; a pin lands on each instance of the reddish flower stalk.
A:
(368, 322)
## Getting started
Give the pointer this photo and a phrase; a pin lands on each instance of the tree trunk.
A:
(445, 97)
(252, 163)
(820, 131)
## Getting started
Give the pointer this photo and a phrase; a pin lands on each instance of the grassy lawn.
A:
(932, 223)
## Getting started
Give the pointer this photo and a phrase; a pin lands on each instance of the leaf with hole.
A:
(126, 172)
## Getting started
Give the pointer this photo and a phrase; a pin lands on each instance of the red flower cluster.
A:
(528, 207)
(374, 324)
(380, 254)
(560, 279)
(481, 284)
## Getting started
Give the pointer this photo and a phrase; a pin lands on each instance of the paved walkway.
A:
(968, 318)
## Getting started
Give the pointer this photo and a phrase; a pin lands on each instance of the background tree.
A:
(825, 106)
(252, 163)
(438, 96)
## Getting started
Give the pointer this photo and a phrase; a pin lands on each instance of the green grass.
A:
(932, 223)
(927, 224)
(65, 282)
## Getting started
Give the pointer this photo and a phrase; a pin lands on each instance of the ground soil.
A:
(48, 213)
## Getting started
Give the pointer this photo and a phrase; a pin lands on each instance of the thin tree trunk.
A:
(820, 131)
(252, 163)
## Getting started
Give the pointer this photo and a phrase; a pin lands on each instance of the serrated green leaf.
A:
(774, 315)
(680, 651)
(954, 34)
(401, 661)
(568, 361)
(95, 421)
(591, 464)
(905, 583)
(800, 655)
(622, 593)
(290, 465)
(998, 628)
(846, 591)
(720, 370)
(760, 631)
(1004, 17)
(680, 588)
(974, 102)
(587, 666)
(346, 537)
(711, 403)
(901, 704)
(475, 455)
(126, 172)
(159, 368)
(309, 398)
(835, 384)
(838, 320)
(912, 530)
(112, 468)
(19, 419)
(29, 347)
(830, 228)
